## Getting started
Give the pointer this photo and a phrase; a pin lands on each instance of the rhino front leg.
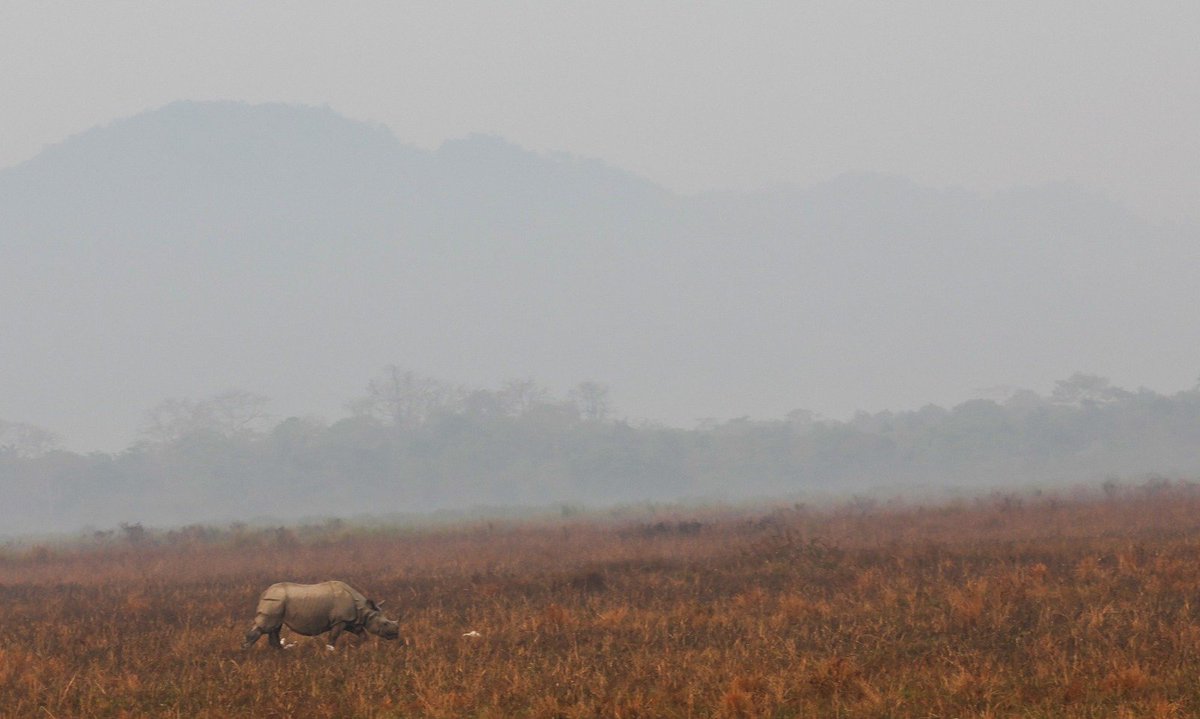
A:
(252, 636)
(267, 620)
(334, 633)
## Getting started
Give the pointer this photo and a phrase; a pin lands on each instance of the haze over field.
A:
(291, 252)
(801, 225)
(695, 96)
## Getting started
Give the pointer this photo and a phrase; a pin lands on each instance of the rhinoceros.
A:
(312, 609)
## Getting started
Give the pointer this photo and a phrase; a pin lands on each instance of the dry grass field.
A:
(999, 607)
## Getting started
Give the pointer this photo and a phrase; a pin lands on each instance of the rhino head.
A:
(379, 625)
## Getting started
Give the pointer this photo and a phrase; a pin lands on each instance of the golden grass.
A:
(996, 608)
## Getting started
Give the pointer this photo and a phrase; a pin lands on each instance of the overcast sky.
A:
(692, 95)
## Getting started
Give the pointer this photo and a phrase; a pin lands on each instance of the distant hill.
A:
(290, 251)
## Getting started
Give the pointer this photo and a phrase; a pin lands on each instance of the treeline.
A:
(415, 444)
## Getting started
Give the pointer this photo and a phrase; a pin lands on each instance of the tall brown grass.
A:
(1006, 606)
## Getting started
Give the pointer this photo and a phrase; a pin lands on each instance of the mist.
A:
(694, 97)
(292, 252)
(789, 227)
(413, 444)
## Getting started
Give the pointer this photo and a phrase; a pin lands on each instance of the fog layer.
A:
(291, 252)
(417, 444)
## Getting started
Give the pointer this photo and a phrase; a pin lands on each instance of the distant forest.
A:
(417, 444)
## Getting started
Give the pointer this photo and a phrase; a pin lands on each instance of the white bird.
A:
(472, 633)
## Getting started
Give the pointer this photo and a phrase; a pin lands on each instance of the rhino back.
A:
(314, 608)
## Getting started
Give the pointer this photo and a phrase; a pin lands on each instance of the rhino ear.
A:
(371, 603)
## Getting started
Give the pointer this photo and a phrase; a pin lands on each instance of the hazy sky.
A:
(692, 95)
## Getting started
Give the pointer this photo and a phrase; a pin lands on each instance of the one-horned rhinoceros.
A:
(312, 609)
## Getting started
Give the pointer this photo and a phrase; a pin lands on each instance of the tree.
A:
(405, 399)
(26, 441)
(1080, 389)
(522, 395)
(485, 404)
(802, 420)
(591, 399)
(230, 414)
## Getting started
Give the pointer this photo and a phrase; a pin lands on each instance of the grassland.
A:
(1005, 606)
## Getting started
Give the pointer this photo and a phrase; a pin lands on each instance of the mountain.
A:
(291, 251)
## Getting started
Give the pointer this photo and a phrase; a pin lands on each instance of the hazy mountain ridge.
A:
(291, 251)
(189, 161)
